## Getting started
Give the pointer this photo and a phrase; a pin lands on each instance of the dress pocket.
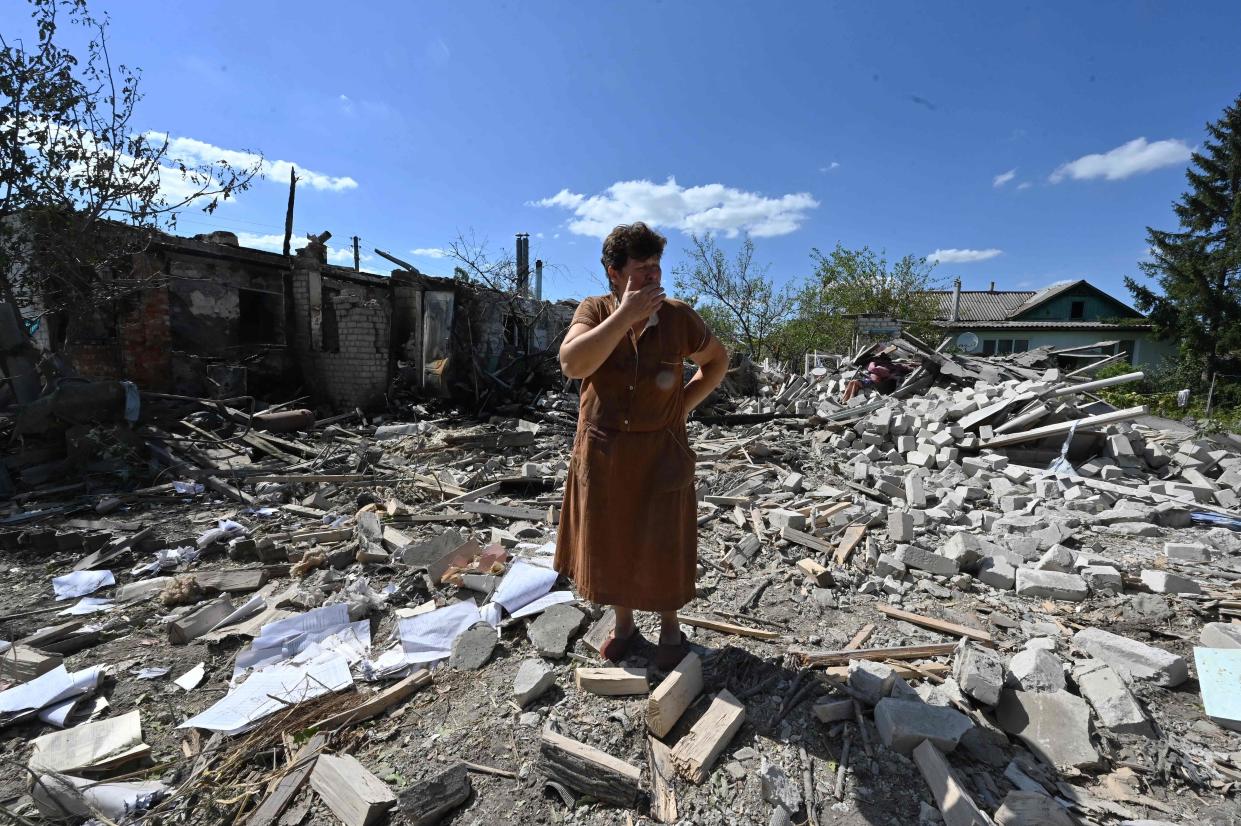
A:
(674, 468)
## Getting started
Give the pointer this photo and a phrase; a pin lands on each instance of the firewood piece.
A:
(806, 540)
(943, 626)
(697, 751)
(285, 789)
(377, 703)
(821, 576)
(860, 637)
(672, 696)
(954, 802)
(427, 802)
(589, 770)
(185, 629)
(663, 798)
(612, 682)
(354, 795)
(727, 627)
(852, 537)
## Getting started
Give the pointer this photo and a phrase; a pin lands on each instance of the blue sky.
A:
(1032, 143)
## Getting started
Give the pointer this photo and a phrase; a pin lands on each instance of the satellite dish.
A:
(967, 342)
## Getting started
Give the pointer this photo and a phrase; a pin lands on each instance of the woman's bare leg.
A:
(669, 628)
(624, 622)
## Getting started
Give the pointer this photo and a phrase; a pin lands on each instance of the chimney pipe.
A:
(956, 301)
(523, 263)
(538, 279)
(992, 286)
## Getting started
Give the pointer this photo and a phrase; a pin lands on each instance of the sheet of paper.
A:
(87, 605)
(492, 614)
(252, 606)
(191, 679)
(429, 637)
(283, 639)
(59, 796)
(270, 690)
(81, 583)
(48, 689)
(151, 673)
(524, 583)
(58, 713)
(543, 603)
(98, 744)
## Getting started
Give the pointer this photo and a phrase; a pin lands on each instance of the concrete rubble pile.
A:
(919, 608)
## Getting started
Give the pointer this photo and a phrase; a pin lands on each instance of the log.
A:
(589, 770)
(663, 798)
(954, 802)
(1064, 427)
(354, 795)
(698, 750)
(943, 626)
(821, 576)
(427, 802)
(727, 627)
(378, 702)
(900, 652)
(612, 682)
(672, 696)
(852, 537)
(282, 792)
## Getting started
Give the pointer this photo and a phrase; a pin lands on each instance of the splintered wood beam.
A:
(851, 539)
(281, 793)
(354, 795)
(727, 627)
(612, 682)
(697, 751)
(943, 626)
(901, 652)
(672, 696)
(589, 770)
(663, 798)
(860, 637)
(377, 703)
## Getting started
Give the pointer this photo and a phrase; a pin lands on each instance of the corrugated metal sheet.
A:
(982, 305)
(1046, 325)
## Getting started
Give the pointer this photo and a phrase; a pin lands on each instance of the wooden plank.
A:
(589, 770)
(612, 682)
(821, 576)
(506, 511)
(806, 540)
(903, 652)
(112, 550)
(235, 581)
(943, 626)
(675, 694)
(853, 535)
(727, 627)
(281, 792)
(954, 802)
(354, 795)
(756, 521)
(824, 516)
(377, 703)
(860, 637)
(907, 672)
(663, 798)
(697, 751)
(334, 478)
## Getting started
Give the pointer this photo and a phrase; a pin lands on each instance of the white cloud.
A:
(195, 152)
(275, 243)
(342, 257)
(1024, 185)
(430, 252)
(708, 208)
(1003, 178)
(1133, 158)
(829, 167)
(962, 256)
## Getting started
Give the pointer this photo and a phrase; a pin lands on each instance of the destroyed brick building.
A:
(221, 320)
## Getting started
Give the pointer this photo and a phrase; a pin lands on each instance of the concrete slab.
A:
(1132, 659)
(1055, 725)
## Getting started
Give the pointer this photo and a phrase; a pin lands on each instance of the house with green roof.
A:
(1071, 314)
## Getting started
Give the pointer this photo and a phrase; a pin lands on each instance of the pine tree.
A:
(1199, 267)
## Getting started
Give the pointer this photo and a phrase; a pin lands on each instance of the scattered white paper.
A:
(225, 530)
(543, 603)
(153, 673)
(281, 640)
(191, 679)
(523, 584)
(59, 796)
(491, 614)
(58, 713)
(103, 743)
(88, 605)
(252, 606)
(271, 690)
(187, 487)
(429, 637)
(81, 583)
(48, 689)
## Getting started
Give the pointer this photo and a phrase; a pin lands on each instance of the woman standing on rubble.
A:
(628, 529)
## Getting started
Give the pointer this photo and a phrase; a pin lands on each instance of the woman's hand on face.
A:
(638, 304)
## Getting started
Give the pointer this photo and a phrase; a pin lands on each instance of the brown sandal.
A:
(614, 649)
(668, 655)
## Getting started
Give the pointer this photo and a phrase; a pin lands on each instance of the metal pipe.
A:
(1096, 385)
(538, 279)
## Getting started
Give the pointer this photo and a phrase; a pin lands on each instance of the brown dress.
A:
(628, 528)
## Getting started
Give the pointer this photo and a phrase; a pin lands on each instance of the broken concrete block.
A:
(1035, 669)
(1133, 529)
(980, 673)
(888, 565)
(1055, 725)
(872, 681)
(472, 649)
(780, 518)
(1164, 582)
(1111, 699)
(915, 494)
(1057, 558)
(1032, 809)
(534, 678)
(997, 573)
(1221, 635)
(900, 526)
(903, 724)
(924, 560)
(1103, 579)
(1187, 551)
(831, 711)
(551, 632)
(965, 549)
(778, 789)
(1133, 660)
(1050, 584)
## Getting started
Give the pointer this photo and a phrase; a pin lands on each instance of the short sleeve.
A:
(590, 312)
(694, 331)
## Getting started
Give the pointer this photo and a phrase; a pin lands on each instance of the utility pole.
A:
(288, 215)
(357, 258)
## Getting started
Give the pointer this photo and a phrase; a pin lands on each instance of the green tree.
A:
(81, 189)
(850, 282)
(1198, 267)
(735, 296)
